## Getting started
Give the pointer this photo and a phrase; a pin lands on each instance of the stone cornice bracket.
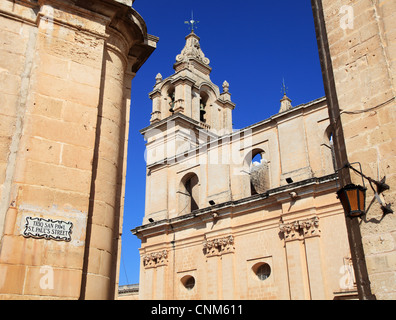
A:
(155, 259)
(300, 229)
(310, 227)
(291, 231)
(218, 247)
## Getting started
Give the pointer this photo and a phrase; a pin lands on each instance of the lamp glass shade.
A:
(353, 200)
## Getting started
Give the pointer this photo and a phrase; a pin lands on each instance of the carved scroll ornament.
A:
(192, 50)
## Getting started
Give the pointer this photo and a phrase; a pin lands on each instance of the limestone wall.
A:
(362, 43)
(65, 72)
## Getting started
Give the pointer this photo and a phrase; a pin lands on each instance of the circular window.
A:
(262, 271)
(188, 282)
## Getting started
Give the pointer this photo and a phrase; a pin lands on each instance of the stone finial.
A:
(226, 95)
(226, 86)
(285, 103)
(192, 50)
(158, 78)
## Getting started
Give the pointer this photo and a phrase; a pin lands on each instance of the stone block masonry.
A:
(362, 47)
(65, 70)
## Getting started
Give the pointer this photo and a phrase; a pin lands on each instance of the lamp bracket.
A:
(381, 186)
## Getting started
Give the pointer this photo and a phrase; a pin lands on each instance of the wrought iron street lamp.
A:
(353, 200)
(353, 197)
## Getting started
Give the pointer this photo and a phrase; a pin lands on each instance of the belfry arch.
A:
(188, 198)
(256, 168)
(206, 106)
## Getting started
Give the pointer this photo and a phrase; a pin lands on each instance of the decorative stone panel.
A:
(310, 227)
(220, 246)
(155, 259)
(290, 230)
(300, 229)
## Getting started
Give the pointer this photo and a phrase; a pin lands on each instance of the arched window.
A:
(169, 96)
(192, 190)
(328, 155)
(202, 106)
(257, 158)
(262, 270)
(259, 175)
(189, 194)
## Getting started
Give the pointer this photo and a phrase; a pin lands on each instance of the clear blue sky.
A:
(253, 44)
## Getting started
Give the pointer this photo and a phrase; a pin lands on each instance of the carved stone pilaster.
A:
(155, 259)
(220, 246)
(300, 229)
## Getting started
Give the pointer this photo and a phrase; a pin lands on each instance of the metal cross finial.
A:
(284, 88)
(192, 22)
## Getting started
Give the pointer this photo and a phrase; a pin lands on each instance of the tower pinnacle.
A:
(192, 51)
(285, 101)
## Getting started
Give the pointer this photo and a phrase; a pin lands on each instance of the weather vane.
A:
(192, 23)
(284, 88)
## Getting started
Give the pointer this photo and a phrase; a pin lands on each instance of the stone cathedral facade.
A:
(245, 214)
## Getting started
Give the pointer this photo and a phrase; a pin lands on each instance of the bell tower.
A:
(189, 111)
(190, 92)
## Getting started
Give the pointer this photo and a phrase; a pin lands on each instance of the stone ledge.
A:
(129, 288)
